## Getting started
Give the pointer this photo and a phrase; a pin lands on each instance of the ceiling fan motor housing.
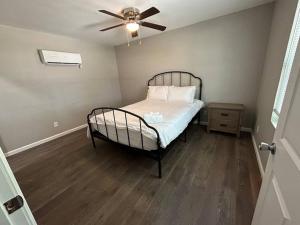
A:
(130, 14)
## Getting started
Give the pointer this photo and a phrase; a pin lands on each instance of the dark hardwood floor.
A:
(212, 179)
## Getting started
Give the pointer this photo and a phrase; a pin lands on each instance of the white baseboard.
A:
(260, 166)
(37, 143)
(244, 129)
(204, 123)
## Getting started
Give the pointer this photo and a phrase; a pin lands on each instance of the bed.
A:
(127, 126)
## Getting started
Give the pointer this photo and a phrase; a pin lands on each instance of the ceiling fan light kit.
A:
(132, 26)
(132, 19)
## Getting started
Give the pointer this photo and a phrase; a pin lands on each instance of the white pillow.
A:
(182, 94)
(158, 92)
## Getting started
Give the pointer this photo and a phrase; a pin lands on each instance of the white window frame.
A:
(286, 67)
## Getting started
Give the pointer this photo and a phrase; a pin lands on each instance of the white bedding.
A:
(176, 117)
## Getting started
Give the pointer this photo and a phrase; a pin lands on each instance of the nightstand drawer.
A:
(223, 114)
(224, 125)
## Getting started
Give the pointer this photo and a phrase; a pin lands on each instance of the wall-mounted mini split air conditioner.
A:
(60, 58)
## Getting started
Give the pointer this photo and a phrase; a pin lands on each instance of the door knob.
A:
(266, 147)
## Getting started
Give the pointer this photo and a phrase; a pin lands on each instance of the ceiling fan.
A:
(133, 19)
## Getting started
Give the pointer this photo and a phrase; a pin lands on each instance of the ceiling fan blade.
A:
(108, 28)
(153, 26)
(111, 14)
(149, 12)
(134, 34)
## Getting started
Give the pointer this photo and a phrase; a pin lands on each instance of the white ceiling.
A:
(80, 18)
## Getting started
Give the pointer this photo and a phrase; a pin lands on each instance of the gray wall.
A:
(227, 53)
(33, 95)
(284, 12)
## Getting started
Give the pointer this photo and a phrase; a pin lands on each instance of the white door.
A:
(279, 198)
(9, 189)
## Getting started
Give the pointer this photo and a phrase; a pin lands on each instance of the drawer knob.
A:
(224, 114)
(223, 125)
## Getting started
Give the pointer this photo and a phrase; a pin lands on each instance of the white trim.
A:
(244, 129)
(204, 123)
(260, 166)
(37, 143)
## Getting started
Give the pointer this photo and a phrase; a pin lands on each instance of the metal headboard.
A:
(177, 78)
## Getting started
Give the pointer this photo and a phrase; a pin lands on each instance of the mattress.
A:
(176, 117)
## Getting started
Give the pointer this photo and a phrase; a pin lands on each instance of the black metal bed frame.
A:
(159, 152)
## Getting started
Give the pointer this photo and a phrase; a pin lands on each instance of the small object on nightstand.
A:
(225, 117)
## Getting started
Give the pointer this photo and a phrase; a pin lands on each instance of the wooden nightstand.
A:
(225, 117)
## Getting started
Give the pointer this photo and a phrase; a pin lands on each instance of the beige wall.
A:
(227, 53)
(34, 95)
(284, 12)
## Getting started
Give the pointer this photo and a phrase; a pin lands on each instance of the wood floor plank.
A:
(212, 179)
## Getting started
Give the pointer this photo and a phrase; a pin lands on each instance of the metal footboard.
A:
(155, 154)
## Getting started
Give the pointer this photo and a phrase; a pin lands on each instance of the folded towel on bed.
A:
(153, 117)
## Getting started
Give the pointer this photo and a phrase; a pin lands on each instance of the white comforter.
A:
(176, 117)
